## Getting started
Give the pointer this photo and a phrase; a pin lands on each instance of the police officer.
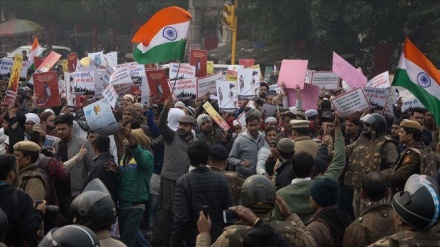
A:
(301, 136)
(70, 236)
(417, 210)
(377, 219)
(372, 151)
(23, 216)
(258, 195)
(95, 209)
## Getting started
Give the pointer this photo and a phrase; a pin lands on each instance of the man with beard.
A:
(351, 129)
(47, 119)
(264, 88)
(418, 114)
(208, 133)
(176, 163)
(24, 219)
(395, 131)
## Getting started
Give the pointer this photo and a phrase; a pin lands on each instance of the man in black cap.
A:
(284, 174)
(218, 156)
(176, 163)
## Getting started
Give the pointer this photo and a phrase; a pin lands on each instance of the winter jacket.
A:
(284, 175)
(194, 190)
(245, 147)
(134, 176)
(263, 154)
(158, 147)
(98, 170)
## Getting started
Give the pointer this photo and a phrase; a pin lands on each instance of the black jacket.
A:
(24, 220)
(284, 175)
(98, 170)
(194, 190)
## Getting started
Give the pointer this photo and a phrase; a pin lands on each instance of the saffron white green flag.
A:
(163, 37)
(417, 74)
(35, 52)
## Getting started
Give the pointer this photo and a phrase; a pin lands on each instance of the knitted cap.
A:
(45, 115)
(286, 145)
(131, 109)
(325, 192)
(203, 118)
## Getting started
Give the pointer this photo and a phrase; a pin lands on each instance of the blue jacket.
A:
(159, 149)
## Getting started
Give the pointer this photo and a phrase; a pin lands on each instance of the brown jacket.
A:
(306, 144)
(31, 181)
(374, 223)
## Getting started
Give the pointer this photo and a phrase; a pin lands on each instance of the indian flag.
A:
(417, 74)
(163, 37)
(35, 52)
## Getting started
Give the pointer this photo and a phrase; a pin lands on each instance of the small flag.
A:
(35, 52)
(163, 37)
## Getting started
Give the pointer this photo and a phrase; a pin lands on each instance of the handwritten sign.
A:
(409, 100)
(292, 73)
(348, 73)
(380, 81)
(185, 71)
(351, 102)
(325, 80)
(121, 76)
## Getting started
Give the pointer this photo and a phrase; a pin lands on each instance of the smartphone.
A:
(229, 216)
(205, 210)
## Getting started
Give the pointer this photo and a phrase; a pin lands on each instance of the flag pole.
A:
(386, 102)
(175, 79)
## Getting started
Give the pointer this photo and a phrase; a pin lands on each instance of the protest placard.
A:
(268, 110)
(246, 62)
(185, 88)
(83, 82)
(377, 97)
(216, 117)
(100, 118)
(409, 100)
(72, 61)
(49, 62)
(186, 71)
(158, 84)
(325, 80)
(292, 73)
(38, 61)
(309, 96)
(241, 119)
(351, 102)
(227, 95)
(231, 75)
(11, 90)
(268, 70)
(199, 59)
(110, 94)
(121, 76)
(248, 83)
(210, 67)
(348, 73)
(206, 84)
(6, 68)
(46, 87)
(380, 81)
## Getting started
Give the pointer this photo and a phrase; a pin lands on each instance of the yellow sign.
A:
(14, 78)
(216, 117)
(64, 64)
(210, 67)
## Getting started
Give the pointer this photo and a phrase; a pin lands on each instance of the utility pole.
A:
(230, 19)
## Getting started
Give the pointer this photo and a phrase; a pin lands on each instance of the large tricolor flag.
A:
(163, 37)
(417, 74)
(35, 52)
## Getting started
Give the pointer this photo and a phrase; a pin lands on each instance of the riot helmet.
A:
(374, 123)
(258, 190)
(418, 205)
(70, 236)
(94, 207)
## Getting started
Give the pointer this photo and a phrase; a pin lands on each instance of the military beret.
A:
(186, 119)
(411, 124)
(286, 145)
(27, 146)
(296, 124)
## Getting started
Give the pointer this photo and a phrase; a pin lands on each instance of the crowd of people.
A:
(172, 177)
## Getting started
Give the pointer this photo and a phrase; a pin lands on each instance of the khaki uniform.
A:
(31, 180)
(306, 144)
(105, 240)
(292, 229)
(408, 239)
(374, 223)
(407, 165)
(234, 180)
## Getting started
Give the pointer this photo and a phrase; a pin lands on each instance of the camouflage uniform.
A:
(365, 155)
(409, 238)
(31, 180)
(234, 180)
(410, 163)
(375, 222)
(292, 229)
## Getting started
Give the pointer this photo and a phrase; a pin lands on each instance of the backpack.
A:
(428, 165)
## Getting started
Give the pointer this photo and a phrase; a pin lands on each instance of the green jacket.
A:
(134, 177)
(297, 195)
